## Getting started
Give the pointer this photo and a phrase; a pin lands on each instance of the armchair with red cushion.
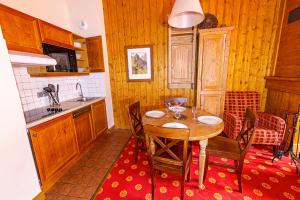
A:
(270, 129)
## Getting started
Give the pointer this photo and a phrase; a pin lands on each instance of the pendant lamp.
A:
(186, 14)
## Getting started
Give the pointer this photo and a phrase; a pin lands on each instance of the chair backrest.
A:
(237, 102)
(246, 135)
(135, 118)
(181, 101)
(160, 141)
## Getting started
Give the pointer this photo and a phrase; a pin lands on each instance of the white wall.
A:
(91, 11)
(52, 11)
(17, 171)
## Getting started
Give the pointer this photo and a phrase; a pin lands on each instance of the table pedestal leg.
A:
(202, 156)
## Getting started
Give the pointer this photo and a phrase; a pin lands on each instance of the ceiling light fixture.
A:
(186, 14)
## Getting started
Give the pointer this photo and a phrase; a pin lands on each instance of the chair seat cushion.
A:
(265, 135)
(222, 146)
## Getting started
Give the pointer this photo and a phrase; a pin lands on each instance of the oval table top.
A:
(198, 131)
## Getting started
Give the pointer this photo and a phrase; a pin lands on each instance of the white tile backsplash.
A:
(93, 85)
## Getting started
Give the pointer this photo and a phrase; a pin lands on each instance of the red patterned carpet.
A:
(261, 180)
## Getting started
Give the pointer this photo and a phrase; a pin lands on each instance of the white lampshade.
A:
(186, 14)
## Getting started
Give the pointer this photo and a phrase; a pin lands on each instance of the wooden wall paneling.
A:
(266, 36)
(141, 40)
(239, 56)
(146, 24)
(134, 22)
(114, 52)
(228, 14)
(234, 8)
(134, 26)
(121, 58)
(220, 11)
(249, 43)
(161, 71)
(274, 47)
(266, 50)
(127, 40)
(263, 38)
(276, 38)
(288, 55)
(276, 32)
(158, 71)
(116, 29)
(255, 57)
(154, 39)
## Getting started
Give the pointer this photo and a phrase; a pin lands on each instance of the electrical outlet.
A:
(41, 94)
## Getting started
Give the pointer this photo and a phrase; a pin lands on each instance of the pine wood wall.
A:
(139, 22)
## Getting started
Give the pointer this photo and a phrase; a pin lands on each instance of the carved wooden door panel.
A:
(182, 53)
(212, 69)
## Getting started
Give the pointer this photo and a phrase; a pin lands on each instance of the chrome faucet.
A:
(81, 94)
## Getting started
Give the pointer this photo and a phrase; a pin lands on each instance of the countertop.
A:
(67, 106)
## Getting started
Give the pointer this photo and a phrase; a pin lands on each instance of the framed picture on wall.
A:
(139, 63)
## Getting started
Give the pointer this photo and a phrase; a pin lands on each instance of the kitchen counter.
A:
(40, 115)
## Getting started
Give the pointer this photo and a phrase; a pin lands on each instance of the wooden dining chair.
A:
(136, 127)
(181, 101)
(233, 149)
(168, 150)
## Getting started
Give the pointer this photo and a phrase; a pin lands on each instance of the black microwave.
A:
(65, 58)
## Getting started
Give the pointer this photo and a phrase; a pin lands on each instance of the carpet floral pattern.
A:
(262, 179)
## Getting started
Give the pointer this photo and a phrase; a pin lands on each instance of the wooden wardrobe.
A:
(213, 52)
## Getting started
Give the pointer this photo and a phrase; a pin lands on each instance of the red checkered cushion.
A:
(265, 135)
(270, 128)
(233, 124)
(237, 102)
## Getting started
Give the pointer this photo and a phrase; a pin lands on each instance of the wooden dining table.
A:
(198, 132)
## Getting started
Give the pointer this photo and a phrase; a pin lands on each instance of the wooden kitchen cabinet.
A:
(99, 117)
(212, 69)
(54, 144)
(83, 126)
(95, 54)
(20, 31)
(54, 35)
(182, 55)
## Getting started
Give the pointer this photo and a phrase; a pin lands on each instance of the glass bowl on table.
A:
(177, 110)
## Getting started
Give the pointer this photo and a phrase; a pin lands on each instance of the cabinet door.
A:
(99, 117)
(181, 64)
(54, 144)
(212, 62)
(213, 103)
(83, 130)
(20, 30)
(181, 61)
(54, 35)
(212, 69)
(95, 54)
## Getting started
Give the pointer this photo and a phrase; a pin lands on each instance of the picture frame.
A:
(139, 63)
